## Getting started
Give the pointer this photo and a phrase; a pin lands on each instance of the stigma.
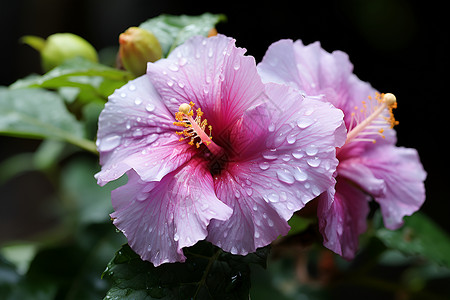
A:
(195, 128)
(372, 118)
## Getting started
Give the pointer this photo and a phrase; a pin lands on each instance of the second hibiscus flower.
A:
(212, 153)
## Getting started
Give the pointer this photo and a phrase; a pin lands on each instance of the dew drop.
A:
(181, 84)
(313, 162)
(237, 194)
(271, 127)
(257, 235)
(264, 165)
(170, 83)
(210, 52)
(273, 197)
(236, 65)
(269, 155)
(285, 176)
(311, 150)
(297, 154)
(299, 175)
(132, 87)
(308, 111)
(176, 237)
(137, 132)
(304, 123)
(291, 139)
(110, 142)
(182, 61)
(150, 107)
(151, 138)
(173, 68)
(270, 222)
(138, 101)
(255, 207)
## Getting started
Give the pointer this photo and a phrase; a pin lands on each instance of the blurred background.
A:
(398, 46)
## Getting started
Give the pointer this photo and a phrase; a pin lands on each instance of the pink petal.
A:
(404, 176)
(214, 74)
(135, 130)
(342, 217)
(287, 160)
(160, 218)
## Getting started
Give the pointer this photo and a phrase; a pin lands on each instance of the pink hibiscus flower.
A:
(209, 156)
(370, 165)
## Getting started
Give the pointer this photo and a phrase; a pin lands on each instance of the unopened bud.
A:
(138, 47)
(59, 47)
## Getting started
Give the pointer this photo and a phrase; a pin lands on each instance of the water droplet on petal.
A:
(304, 123)
(297, 154)
(313, 162)
(150, 107)
(271, 127)
(138, 101)
(311, 150)
(181, 84)
(273, 197)
(299, 175)
(176, 237)
(291, 139)
(257, 235)
(132, 87)
(285, 176)
(182, 61)
(173, 68)
(170, 83)
(108, 143)
(270, 222)
(264, 165)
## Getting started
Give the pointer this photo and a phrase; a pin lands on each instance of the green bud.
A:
(138, 47)
(59, 47)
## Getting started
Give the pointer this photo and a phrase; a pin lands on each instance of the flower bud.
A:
(137, 47)
(59, 47)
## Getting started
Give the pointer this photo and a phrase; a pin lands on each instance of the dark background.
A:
(398, 46)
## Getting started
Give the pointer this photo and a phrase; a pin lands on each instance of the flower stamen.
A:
(372, 120)
(195, 128)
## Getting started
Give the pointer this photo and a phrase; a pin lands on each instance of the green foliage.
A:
(419, 236)
(38, 113)
(172, 31)
(208, 273)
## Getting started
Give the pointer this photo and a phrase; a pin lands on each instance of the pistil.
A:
(375, 123)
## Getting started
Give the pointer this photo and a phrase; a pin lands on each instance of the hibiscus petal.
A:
(253, 223)
(135, 130)
(308, 68)
(167, 215)
(211, 72)
(404, 176)
(281, 167)
(342, 217)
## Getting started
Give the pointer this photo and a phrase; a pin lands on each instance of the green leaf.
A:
(37, 113)
(89, 202)
(419, 236)
(207, 273)
(172, 31)
(76, 72)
